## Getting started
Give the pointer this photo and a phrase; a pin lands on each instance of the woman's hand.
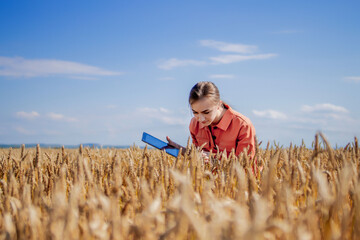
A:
(172, 143)
(175, 145)
(205, 155)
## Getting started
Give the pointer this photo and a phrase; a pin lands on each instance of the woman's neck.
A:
(222, 111)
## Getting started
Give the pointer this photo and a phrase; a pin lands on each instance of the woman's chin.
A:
(205, 123)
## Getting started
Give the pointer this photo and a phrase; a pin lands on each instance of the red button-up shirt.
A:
(234, 131)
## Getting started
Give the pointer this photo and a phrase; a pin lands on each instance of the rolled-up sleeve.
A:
(194, 139)
(192, 128)
(246, 138)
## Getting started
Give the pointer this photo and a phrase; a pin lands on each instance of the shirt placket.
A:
(212, 138)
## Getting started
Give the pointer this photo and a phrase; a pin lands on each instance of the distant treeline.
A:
(43, 145)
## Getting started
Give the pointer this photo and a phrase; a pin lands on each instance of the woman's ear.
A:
(220, 104)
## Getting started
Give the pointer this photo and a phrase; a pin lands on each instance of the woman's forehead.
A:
(203, 104)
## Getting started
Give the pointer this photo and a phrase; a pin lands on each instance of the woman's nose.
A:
(201, 118)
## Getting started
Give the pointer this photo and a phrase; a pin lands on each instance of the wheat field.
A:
(296, 192)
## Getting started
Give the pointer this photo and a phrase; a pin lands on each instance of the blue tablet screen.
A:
(155, 142)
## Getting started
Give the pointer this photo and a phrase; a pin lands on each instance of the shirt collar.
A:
(225, 120)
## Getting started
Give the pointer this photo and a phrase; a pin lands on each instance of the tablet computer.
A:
(157, 143)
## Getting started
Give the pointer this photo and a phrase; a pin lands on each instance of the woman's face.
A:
(205, 110)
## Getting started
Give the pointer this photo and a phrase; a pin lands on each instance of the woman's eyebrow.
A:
(206, 110)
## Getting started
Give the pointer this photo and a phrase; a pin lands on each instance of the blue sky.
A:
(90, 71)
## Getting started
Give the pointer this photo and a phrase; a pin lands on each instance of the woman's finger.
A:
(170, 142)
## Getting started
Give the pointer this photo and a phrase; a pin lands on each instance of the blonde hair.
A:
(204, 89)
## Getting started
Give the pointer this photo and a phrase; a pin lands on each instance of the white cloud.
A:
(317, 115)
(272, 114)
(229, 47)
(51, 115)
(245, 50)
(221, 76)
(324, 108)
(226, 59)
(148, 110)
(355, 79)
(21, 67)
(173, 120)
(164, 110)
(222, 59)
(84, 78)
(55, 116)
(174, 62)
(111, 106)
(163, 115)
(328, 118)
(154, 110)
(27, 115)
(339, 116)
(24, 131)
(60, 117)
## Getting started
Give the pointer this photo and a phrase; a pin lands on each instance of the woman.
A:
(216, 124)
